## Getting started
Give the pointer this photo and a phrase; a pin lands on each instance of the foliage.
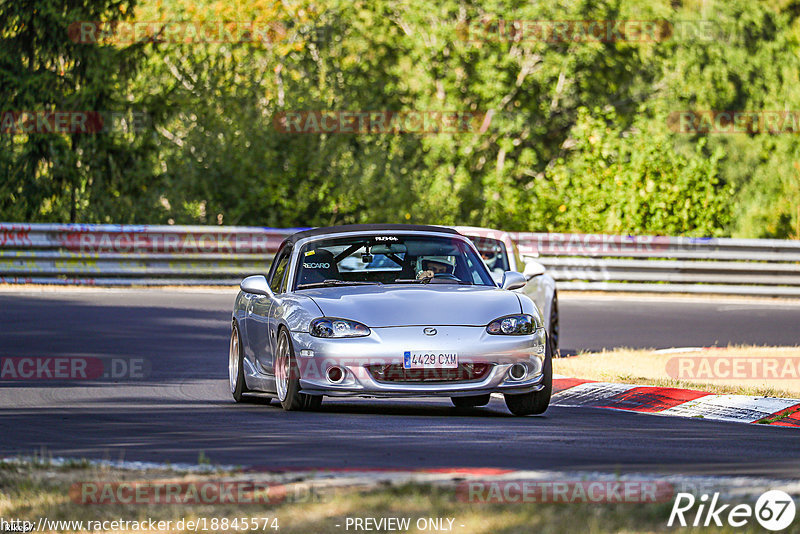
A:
(618, 182)
(100, 177)
(578, 135)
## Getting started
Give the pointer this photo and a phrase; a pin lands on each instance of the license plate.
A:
(422, 359)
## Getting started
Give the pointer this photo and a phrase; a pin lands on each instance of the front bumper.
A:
(385, 346)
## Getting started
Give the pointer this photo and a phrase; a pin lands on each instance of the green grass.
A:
(30, 491)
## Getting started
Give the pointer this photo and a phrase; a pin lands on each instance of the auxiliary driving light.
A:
(518, 371)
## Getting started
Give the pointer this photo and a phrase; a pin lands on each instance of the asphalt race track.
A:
(182, 408)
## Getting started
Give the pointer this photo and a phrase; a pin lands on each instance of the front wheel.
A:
(535, 402)
(235, 367)
(287, 378)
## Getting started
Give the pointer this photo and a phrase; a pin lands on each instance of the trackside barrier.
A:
(592, 262)
(218, 255)
(134, 255)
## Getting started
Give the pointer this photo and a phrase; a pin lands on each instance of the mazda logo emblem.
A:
(430, 331)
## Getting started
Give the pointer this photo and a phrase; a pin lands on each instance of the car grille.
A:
(395, 373)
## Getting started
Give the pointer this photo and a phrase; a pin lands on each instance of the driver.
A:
(437, 267)
(490, 258)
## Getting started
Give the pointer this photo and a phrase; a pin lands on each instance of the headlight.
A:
(513, 325)
(331, 327)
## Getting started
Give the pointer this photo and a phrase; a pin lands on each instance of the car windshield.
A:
(493, 252)
(389, 259)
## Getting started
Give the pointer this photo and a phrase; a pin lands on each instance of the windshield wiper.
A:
(424, 280)
(427, 280)
(330, 283)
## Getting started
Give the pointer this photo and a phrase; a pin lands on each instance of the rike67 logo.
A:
(774, 510)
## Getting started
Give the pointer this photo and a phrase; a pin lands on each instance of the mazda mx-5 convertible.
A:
(387, 311)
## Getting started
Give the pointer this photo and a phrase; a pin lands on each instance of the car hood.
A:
(400, 305)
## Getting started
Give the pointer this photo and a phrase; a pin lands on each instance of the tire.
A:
(235, 365)
(536, 402)
(287, 378)
(553, 334)
(473, 401)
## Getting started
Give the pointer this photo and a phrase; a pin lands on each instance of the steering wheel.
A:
(447, 276)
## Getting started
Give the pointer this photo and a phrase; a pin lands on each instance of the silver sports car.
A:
(387, 310)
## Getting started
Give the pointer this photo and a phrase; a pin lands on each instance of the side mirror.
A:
(513, 280)
(534, 269)
(257, 285)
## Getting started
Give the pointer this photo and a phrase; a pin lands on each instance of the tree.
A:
(100, 173)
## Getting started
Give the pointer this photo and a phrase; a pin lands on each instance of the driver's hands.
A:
(424, 274)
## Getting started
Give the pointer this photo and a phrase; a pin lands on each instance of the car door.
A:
(259, 331)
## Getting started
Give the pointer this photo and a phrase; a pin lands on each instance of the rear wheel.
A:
(235, 367)
(471, 402)
(287, 378)
(535, 402)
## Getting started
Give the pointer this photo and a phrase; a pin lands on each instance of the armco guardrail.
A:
(79, 254)
(218, 255)
(667, 264)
